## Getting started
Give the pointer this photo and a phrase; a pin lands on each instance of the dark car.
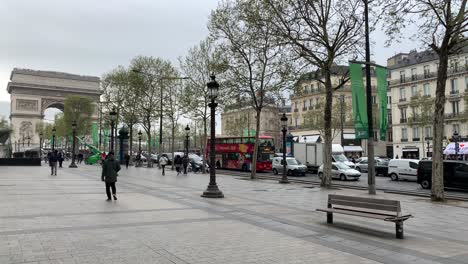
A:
(381, 167)
(455, 174)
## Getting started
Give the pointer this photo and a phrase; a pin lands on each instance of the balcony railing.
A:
(296, 110)
(454, 92)
(402, 100)
(428, 75)
(403, 120)
(452, 115)
(416, 139)
(404, 140)
(304, 108)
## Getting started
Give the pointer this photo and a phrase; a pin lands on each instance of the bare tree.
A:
(442, 26)
(323, 33)
(201, 61)
(259, 67)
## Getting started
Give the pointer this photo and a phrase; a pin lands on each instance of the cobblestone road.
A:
(162, 219)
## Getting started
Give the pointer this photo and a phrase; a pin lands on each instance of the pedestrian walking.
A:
(163, 163)
(52, 157)
(178, 163)
(60, 158)
(127, 160)
(110, 169)
(185, 163)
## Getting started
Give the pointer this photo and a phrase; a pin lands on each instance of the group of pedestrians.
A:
(181, 162)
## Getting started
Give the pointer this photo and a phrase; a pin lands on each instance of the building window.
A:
(402, 76)
(413, 74)
(427, 89)
(403, 115)
(317, 101)
(414, 90)
(415, 133)
(455, 128)
(427, 71)
(402, 94)
(389, 98)
(312, 88)
(390, 136)
(376, 136)
(428, 131)
(295, 121)
(466, 62)
(374, 99)
(454, 65)
(466, 84)
(311, 102)
(404, 133)
(455, 107)
(304, 104)
(306, 89)
(453, 85)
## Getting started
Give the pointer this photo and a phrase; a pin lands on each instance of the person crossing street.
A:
(110, 168)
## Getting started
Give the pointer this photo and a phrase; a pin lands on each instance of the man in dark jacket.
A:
(60, 158)
(53, 157)
(110, 167)
(127, 160)
(185, 163)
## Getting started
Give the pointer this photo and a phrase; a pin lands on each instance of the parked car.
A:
(405, 169)
(293, 166)
(341, 171)
(455, 174)
(381, 165)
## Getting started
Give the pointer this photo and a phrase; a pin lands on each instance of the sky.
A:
(91, 37)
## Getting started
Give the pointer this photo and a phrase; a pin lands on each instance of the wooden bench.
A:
(387, 210)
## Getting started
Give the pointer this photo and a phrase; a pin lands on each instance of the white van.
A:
(405, 169)
(293, 166)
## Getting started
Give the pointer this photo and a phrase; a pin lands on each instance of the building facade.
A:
(307, 106)
(240, 120)
(412, 83)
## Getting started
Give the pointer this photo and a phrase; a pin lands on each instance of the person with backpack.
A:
(178, 163)
(53, 157)
(163, 163)
(185, 163)
(110, 168)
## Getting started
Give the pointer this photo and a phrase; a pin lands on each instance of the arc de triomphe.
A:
(32, 92)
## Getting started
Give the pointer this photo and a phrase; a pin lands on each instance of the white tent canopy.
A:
(450, 148)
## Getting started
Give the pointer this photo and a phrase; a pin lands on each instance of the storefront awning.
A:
(349, 136)
(352, 148)
(409, 149)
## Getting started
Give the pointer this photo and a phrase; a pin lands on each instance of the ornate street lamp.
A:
(187, 134)
(73, 165)
(139, 141)
(284, 124)
(53, 138)
(212, 191)
(40, 145)
(113, 118)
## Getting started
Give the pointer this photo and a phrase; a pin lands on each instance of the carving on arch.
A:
(47, 102)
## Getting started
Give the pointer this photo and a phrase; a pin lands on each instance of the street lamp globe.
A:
(213, 87)
(139, 135)
(74, 125)
(284, 121)
(54, 130)
(187, 130)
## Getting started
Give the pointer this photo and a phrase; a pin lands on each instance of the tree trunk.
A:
(253, 165)
(131, 142)
(172, 145)
(437, 157)
(148, 147)
(327, 148)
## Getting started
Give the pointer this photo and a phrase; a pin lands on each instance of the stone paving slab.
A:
(162, 219)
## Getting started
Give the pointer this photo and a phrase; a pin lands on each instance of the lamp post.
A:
(53, 138)
(73, 165)
(113, 117)
(212, 191)
(187, 133)
(139, 141)
(284, 124)
(428, 146)
(455, 139)
(40, 145)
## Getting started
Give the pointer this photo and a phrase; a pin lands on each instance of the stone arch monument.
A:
(32, 92)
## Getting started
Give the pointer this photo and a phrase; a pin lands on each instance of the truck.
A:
(311, 154)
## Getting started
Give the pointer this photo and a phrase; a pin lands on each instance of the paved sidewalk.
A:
(162, 219)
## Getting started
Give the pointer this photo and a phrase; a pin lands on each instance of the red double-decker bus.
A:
(237, 152)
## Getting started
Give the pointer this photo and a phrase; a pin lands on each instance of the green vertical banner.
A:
(382, 91)
(95, 133)
(361, 126)
(105, 137)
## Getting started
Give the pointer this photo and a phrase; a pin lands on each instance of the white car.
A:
(293, 166)
(341, 171)
(406, 169)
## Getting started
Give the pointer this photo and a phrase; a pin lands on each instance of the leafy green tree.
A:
(201, 61)
(441, 25)
(322, 33)
(259, 67)
(422, 113)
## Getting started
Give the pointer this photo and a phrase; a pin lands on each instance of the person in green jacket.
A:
(110, 167)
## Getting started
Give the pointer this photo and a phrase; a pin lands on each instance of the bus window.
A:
(266, 142)
(264, 156)
(233, 156)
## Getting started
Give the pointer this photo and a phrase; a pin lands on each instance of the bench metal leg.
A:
(329, 218)
(399, 229)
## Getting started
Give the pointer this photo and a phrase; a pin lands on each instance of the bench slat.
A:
(368, 203)
(347, 212)
(363, 199)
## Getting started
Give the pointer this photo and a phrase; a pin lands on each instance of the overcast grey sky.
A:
(91, 37)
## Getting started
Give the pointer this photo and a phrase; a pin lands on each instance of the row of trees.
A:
(258, 47)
